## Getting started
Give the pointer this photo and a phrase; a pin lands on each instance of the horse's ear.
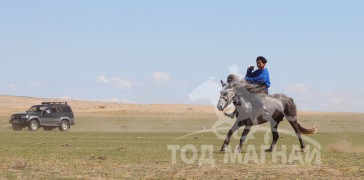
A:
(222, 83)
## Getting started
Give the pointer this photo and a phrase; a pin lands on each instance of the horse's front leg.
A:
(243, 138)
(274, 128)
(228, 136)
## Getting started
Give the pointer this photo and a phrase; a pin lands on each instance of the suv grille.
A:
(17, 117)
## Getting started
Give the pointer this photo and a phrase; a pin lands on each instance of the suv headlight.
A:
(25, 117)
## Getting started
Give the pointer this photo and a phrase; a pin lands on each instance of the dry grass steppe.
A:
(115, 140)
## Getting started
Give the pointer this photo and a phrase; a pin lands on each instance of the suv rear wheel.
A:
(33, 125)
(64, 126)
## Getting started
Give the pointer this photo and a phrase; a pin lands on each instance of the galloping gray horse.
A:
(247, 99)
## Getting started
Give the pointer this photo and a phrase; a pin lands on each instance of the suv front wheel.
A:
(65, 125)
(33, 125)
(16, 127)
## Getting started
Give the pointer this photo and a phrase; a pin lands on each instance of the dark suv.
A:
(48, 115)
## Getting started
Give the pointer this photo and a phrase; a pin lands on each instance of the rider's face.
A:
(260, 64)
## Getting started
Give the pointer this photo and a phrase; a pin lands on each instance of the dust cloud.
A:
(346, 146)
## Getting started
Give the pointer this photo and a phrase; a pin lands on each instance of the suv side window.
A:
(57, 109)
(48, 109)
(65, 109)
(68, 109)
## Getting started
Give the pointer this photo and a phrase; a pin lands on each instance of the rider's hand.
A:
(251, 68)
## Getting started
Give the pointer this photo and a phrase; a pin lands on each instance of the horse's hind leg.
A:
(243, 137)
(228, 136)
(293, 121)
(274, 128)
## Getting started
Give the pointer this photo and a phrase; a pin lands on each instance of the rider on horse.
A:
(258, 78)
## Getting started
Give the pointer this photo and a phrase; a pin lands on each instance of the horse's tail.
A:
(303, 130)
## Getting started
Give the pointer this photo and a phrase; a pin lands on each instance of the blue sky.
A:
(160, 51)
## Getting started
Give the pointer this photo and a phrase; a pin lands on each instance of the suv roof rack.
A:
(54, 102)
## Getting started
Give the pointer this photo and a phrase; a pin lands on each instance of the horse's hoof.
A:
(268, 150)
(222, 150)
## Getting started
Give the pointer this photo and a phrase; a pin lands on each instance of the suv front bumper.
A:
(18, 121)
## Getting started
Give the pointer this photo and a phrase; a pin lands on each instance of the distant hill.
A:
(10, 104)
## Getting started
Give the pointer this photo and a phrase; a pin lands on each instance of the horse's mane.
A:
(235, 80)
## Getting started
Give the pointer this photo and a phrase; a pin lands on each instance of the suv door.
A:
(50, 117)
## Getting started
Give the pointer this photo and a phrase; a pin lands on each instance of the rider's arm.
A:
(258, 78)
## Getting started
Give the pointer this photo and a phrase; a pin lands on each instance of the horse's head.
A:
(229, 90)
(227, 95)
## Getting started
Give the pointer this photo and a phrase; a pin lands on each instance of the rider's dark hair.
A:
(261, 58)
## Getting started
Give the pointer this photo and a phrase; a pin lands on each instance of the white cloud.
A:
(116, 100)
(161, 77)
(298, 88)
(234, 69)
(156, 79)
(318, 100)
(35, 84)
(102, 79)
(339, 101)
(12, 86)
(66, 97)
(122, 83)
(182, 83)
(116, 81)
